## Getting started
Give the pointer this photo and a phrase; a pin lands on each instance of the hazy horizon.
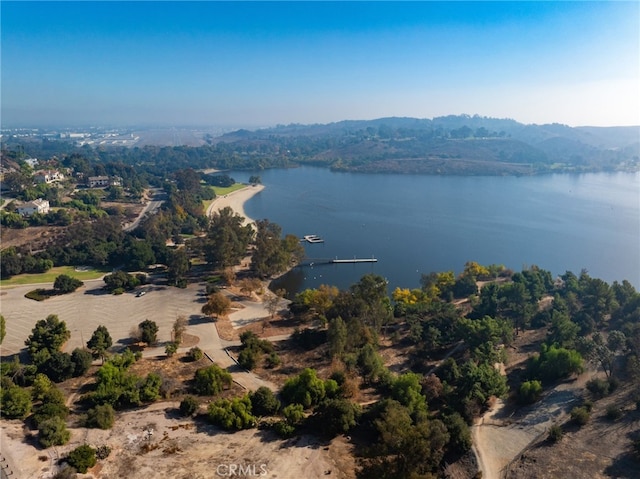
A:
(253, 65)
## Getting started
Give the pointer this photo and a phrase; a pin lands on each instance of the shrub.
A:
(284, 429)
(37, 294)
(101, 417)
(529, 392)
(82, 458)
(264, 402)
(337, 416)
(195, 354)
(580, 415)
(598, 387)
(16, 402)
(248, 358)
(273, 360)
(555, 433)
(211, 380)
(171, 349)
(614, 412)
(53, 432)
(64, 284)
(148, 332)
(232, 414)
(102, 452)
(81, 359)
(53, 405)
(188, 406)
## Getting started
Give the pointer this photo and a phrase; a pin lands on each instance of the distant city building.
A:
(35, 206)
(102, 181)
(32, 162)
(48, 176)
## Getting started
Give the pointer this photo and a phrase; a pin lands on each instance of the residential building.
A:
(35, 206)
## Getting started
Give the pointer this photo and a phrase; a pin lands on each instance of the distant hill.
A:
(456, 144)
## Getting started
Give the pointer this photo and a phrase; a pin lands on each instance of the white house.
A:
(98, 181)
(35, 206)
(48, 176)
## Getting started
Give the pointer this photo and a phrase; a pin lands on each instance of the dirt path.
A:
(502, 433)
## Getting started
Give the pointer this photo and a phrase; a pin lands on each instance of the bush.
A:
(195, 354)
(16, 402)
(614, 412)
(148, 332)
(264, 402)
(273, 360)
(211, 380)
(580, 415)
(53, 405)
(64, 284)
(171, 349)
(337, 416)
(58, 366)
(232, 414)
(37, 294)
(188, 406)
(102, 452)
(529, 392)
(284, 429)
(82, 458)
(598, 387)
(101, 417)
(81, 359)
(555, 433)
(248, 358)
(53, 432)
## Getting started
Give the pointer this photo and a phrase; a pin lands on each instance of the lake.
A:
(418, 224)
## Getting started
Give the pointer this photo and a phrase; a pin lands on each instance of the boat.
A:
(313, 239)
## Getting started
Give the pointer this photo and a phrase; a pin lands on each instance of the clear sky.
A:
(262, 64)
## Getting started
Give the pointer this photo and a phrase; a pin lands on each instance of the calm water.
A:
(419, 224)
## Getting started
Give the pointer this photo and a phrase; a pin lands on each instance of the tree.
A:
(100, 342)
(179, 327)
(232, 414)
(3, 329)
(337, 336)
(82, 458)
(58, 366)
(47, 335)
(529, 392)
(306, 389)
(337, 416)
(189, 405)
(255, 180)
(217, 305)
(148, 332)
(264, 402)
(16, 402)
(66, 284)
(177, 267)
(227, 239)
(81, 360)
(211, 380)
(53, 432)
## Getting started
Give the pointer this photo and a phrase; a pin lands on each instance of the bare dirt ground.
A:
(601, 448)
(154, 442)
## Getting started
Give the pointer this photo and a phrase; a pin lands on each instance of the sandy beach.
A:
(236, 201)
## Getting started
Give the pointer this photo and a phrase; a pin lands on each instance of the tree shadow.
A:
(196, 319)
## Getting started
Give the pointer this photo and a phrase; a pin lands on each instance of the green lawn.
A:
(50, 276)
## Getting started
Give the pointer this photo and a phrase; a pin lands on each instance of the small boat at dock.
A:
(312, 239)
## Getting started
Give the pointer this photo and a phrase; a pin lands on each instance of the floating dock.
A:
(355, 260)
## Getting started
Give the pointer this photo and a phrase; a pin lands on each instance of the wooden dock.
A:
(355, 260)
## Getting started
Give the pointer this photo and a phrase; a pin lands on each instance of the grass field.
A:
(50, 276)
(220, 191)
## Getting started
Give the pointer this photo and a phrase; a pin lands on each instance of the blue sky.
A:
(261, 64)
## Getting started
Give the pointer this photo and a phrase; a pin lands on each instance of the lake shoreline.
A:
(236, 201)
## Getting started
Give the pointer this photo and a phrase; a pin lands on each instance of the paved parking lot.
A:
(90, 307)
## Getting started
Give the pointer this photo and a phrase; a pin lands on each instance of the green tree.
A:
(306, 389)
(337, 336)
(3, 328)
(529, 392)
(49, 335)
(189, 405)
(232, 414)
(100, 342)
(16, 402)
(81, 360)
(53, 432)
(227, 239)
(148, 332)
(264, 402)
(58, 366)
(82, 458)
(64, 284)
(211, 380)
(407, 390)
(337, 416)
